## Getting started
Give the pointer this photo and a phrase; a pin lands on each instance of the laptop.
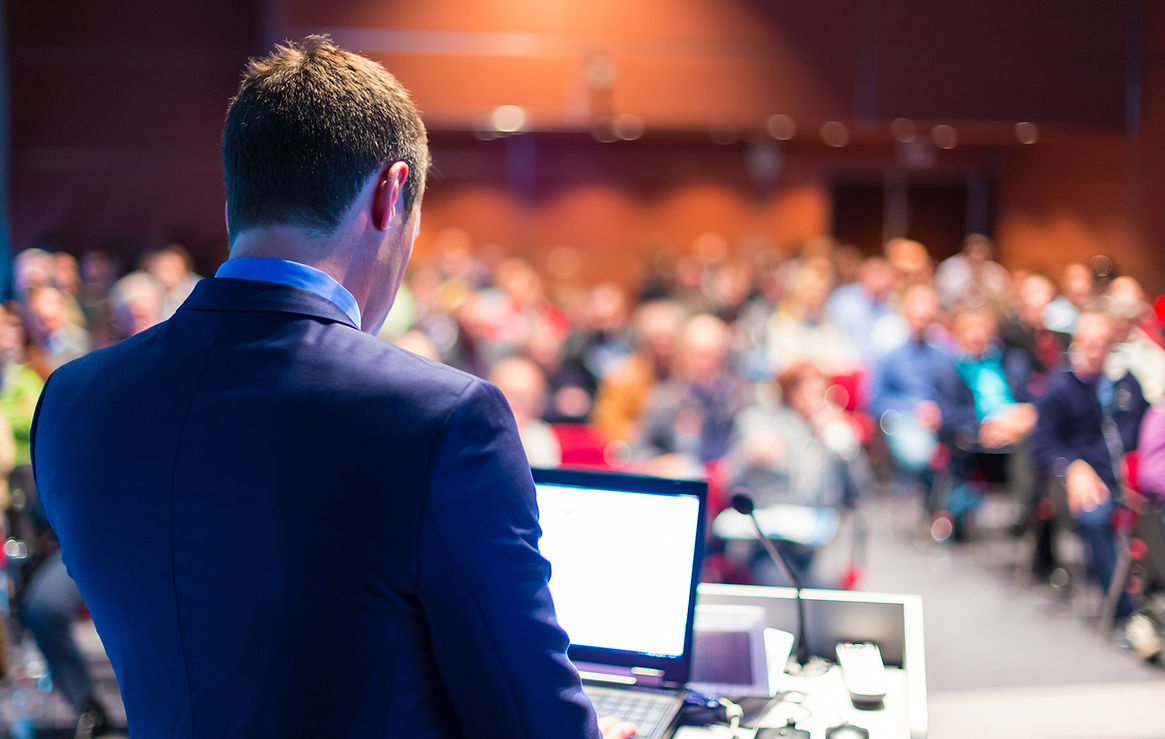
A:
(625, 553)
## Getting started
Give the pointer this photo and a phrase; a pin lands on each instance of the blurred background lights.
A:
(603, 129)
(600, 73)
(944, 136)
(508, 118)
(834, 133)
(1101, 266)
(781, 127)
(628, 127)
(904, 130)
(1027, 132)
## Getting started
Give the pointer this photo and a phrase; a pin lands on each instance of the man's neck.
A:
(325, 254)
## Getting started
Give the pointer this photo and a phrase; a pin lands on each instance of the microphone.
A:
(743, 504)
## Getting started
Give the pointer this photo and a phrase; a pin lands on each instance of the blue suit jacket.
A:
(284, 527)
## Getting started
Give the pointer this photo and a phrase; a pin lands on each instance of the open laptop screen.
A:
(625, 553)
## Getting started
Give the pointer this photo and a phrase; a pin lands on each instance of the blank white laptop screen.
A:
(621, 565)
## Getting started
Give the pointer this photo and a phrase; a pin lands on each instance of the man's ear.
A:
(388, 195)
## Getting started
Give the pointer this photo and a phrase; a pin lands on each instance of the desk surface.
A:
(893, 621)
(818, 702)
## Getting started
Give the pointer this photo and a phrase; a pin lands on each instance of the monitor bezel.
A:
(676, 670)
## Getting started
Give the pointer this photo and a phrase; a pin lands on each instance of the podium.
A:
(893, 622)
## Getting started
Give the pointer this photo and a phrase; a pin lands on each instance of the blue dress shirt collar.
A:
(293, 274)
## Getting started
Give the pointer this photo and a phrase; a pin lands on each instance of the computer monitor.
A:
(625, 554)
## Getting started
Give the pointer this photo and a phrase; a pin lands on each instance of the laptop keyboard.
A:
(651, 712)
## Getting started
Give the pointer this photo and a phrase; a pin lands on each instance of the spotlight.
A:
(629, 127)
(603, 130)
(835, 134)
(944, 136)
(781, 127)
(1027, 132)
(508, 118)
(904, 130)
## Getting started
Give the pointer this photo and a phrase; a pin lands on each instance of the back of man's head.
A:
(309, 125)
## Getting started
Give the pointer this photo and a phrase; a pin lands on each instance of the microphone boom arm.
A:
(743, 503)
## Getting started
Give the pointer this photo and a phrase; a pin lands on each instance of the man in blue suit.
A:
(282, 526)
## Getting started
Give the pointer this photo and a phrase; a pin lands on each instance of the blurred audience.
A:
(31, 268)
(570, 387)
(955, 366)
(986, 413)
(911, 261)
(418, 343)
(20, 388)
(1077, 287)
(1087, 423)
(799, 330)
(1138, 346)
(601, 341)
(524, 386)
(628, 383)
(861, 310)
(172, 268)
(1024, 328)
(137, 302)
(796, 452)
(903, 393)
(44, 596)
(98, 273)
(1152, 448)
(971, 277)
(691, 413)
(56, 339)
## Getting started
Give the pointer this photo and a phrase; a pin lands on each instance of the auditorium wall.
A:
(116, 116)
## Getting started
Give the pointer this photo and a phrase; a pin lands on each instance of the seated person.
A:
(800, 330)
(986, 412)
(1024, 329)
(44, 596)
(796, 452)
(1086, 424)
(1137, 343)
(1152, 447)
(627, 383)
(972, 276)
(902, 389)
(691, 413)
(524, 386)
(860, 309)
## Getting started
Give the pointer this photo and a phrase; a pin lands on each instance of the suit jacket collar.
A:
(230, 294)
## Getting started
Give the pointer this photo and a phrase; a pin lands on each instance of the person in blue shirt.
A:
(1087, 423)
(859, 309)
(282, 525)
(903, 392)
(987, 413)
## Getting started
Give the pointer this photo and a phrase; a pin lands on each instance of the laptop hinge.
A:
(640, 677)
(646, 677)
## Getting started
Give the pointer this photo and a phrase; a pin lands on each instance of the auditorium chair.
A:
(1140, 544)
(585, 446)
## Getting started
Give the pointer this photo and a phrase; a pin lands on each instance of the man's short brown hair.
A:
(310, 123)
